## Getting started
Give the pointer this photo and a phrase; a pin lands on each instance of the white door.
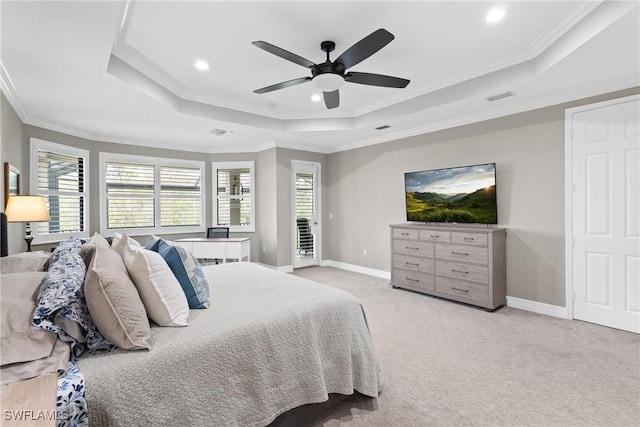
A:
(604, 215)
(305, 213)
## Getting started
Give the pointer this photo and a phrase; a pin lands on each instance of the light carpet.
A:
(448, 364)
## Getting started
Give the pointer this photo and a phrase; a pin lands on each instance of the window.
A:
(60, 173)
(143, 195)
(234, 198)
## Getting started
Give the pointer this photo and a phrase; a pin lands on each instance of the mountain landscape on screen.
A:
(453, 195)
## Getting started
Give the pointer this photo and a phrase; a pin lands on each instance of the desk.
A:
(233, 248)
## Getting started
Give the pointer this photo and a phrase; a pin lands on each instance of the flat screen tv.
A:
(465, 194)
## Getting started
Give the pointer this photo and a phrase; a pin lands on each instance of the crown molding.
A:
(522, 107)
(9, 90)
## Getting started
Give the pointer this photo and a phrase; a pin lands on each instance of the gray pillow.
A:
(114, 302)
(26, 261)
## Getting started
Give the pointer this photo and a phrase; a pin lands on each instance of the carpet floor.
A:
(449, 364)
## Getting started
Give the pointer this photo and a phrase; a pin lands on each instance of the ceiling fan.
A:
(329, 76)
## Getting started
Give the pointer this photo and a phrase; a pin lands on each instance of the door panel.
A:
(605, 222)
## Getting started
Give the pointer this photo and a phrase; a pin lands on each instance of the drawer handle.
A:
(404, 234)
(459, 271)
(435, 236)
(459, 253)
(461, 290)
(412, 248)
(415, 264)
(409, 279)
(468, 238)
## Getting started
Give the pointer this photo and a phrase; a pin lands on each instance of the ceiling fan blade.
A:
(332, 99)
(278, 51)
(282, 85)
(376, 80)
(365, 48)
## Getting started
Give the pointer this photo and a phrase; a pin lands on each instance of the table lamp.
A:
(27, 209)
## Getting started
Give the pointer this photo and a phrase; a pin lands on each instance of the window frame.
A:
(248, 164)
(35, 145)
(156, 162)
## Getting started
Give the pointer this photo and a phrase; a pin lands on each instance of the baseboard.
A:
(285, 268)
(537, 307)
(513, 302)
(357, 269)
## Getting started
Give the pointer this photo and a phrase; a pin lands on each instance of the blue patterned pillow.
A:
(61, 300)
(187, 270)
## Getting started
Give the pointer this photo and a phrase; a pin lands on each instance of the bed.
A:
(268, 343)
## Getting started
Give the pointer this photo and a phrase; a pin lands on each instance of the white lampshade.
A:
(26, 209)
(328, 82)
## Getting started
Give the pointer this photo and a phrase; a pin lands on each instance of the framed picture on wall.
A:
(11, 182)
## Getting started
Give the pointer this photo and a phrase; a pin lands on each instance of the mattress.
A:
(269, 342)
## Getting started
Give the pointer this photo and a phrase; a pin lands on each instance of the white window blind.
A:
(60, 174)
(130, 195)
(234, 197)
(180, 196)
(151, 194)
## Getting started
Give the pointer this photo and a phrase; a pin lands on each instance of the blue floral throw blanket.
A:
(62, 308)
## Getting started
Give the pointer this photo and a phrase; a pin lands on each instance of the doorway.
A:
(305, 216)
(603, 213)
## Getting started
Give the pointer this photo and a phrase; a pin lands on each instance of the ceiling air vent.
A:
(499, 96)
(220, 132)
(383, 127)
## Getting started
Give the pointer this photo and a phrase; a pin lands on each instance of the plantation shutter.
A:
(304, 206)
(130, 195)
(60, 179)
(232, 191)
(180, 201)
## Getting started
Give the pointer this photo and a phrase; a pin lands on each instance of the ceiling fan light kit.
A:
(328, 82)
(330, 76)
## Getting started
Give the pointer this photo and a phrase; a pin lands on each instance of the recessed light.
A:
(315, 97)
(495, 15)
(201, 65)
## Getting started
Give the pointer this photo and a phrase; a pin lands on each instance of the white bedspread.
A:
(269, 342)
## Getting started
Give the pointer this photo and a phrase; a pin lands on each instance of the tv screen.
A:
(464, 194)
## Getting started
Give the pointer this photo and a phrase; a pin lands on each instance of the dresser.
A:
(461, 263)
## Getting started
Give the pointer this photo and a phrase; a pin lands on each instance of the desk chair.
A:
(218, 233)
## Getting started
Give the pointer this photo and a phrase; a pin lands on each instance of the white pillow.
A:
(121, 240)
(160, 291)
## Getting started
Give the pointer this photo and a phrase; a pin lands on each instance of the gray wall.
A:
(271, 243)
(11, 151)
(366, 193)
(363, 189)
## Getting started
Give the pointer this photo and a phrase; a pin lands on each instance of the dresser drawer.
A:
(479, 239)
(435, 235)
(403, 233)
(408, 247)
(460, 270)
(459, 289)
(463, 253)
(413, 279)
(422, 265)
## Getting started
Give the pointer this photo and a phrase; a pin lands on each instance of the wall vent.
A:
(499, 96)
(383, 127)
